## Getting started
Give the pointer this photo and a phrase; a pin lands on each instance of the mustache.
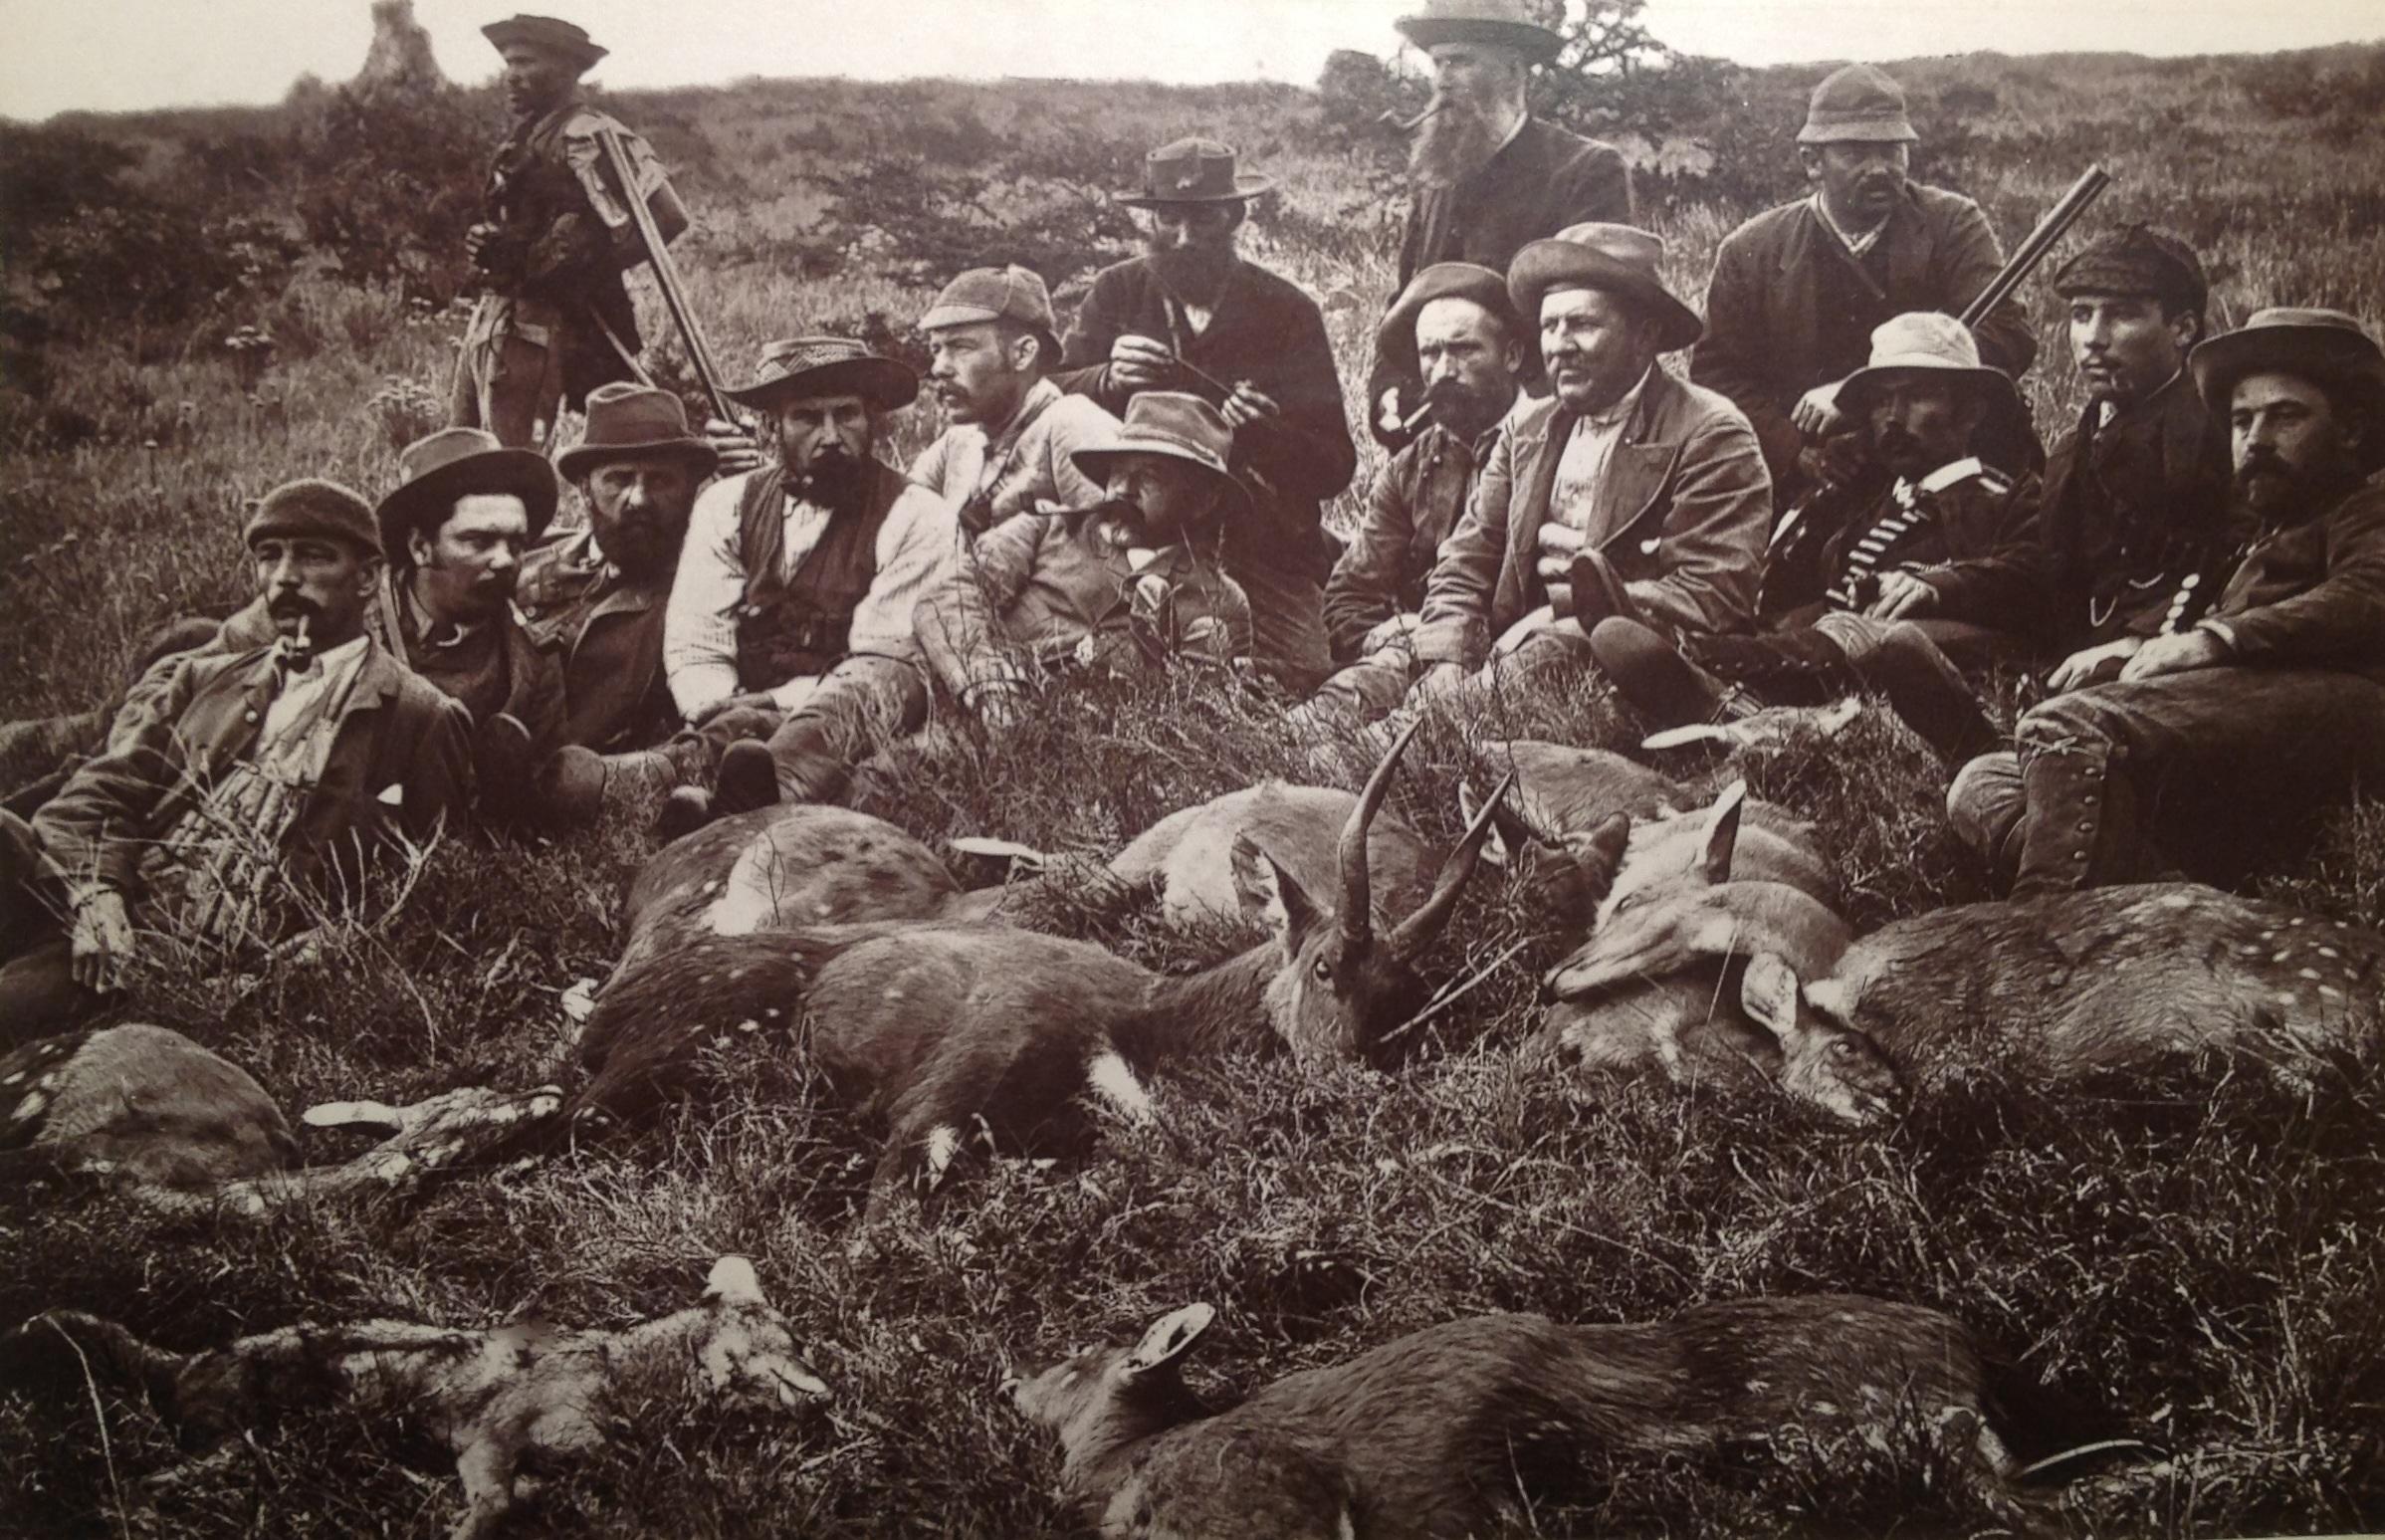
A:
(1894, 441)
(291, 604)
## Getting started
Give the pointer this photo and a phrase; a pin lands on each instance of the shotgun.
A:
(666, 273)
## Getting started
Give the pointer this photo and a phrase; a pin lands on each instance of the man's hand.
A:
(2092, 665)
(1247, 405)
(1902, 595)
(1559, 545)
(1392, 632)
(102, 941)
(736, 448)
(2175, 654)
(1816, 411)
(999, 703)
(476, 241)
(758, 700)
(1139, 363)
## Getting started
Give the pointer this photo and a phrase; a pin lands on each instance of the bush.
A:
(389, 181)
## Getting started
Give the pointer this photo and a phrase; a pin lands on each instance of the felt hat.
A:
(1502, 23)
(567, 39)
(1013, 293)
(626, 420)
(2137, 260)
(827, 367)
(1194, 171)
(1857, 105)
(2324, 345)
(1171, 424)
(313, 507)
(1923, 343)
(1396, 334)
(1617, 259)
(455, 463)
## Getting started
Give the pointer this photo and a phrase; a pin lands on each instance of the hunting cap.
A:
(628, 420)
(454, 463)
(2324, 345)
(566, 39)
(1396, 334)
(1857, 105)
(1194, 170)
(1174, 425)
(1927, 343)
(314, 507)
(1010, 293)
(1619, 259)
(2137, 260)
(1500, 23)
(827, 367)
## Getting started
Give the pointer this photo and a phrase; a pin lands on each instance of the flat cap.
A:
(2137, 260)
(314, 507)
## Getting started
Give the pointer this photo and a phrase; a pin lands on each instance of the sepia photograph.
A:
(1246, 770)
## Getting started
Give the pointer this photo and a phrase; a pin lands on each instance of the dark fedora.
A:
(1619, 259)
(553, 34)
(1194, 171)
(1501, 23)
(314, 507)
(827, 367)
(2327, 347)
(1172, 425)
(457, 463)
(1396, 334)
(627, 420)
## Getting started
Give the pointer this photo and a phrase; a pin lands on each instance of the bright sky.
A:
(125, 54)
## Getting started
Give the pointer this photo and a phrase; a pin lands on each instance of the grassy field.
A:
(2196, 1258)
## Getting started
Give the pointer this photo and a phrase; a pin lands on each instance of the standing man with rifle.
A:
(553, 320)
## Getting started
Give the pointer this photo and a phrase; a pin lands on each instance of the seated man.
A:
(2214, 736)
(1454, 329)
(994, 343)
(1948, 548)
(1629, 492)
(790, 621)
(234, 778)
(1136, 579)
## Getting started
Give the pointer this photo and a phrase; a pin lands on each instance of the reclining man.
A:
(1943, 561)
(1133, 580)
(994, 343)
(1455, 329)
(788, 641)
(2213, 738)
(234, 779)
(1629, 491)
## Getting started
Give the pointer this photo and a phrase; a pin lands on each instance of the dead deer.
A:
(1448, 1431)
(939, 1027)
(495, 1398)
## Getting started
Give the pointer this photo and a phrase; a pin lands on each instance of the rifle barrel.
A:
(666, 274)
(2026, 257)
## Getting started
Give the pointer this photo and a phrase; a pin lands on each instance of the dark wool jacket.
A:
(1264, 331)
(1774, 326)
(552, 251)
(400, 763)
(2133, 510)
(1415, 501)
(606, 633)
(2313, 594)
(1975, 541)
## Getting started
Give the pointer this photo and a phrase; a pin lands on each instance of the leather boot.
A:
(748, 779)
(1796, 667)
(2079, 829)
(578, 785)
(1663, 687)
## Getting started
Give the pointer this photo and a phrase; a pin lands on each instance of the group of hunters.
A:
(1843, 490)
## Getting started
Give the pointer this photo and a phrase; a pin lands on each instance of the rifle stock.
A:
(666, 273)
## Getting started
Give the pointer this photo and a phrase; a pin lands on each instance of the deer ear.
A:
(733, 1282)
(1722, 834)
(1600, 853)
(1272, 893)
(1169, 1337)
(1769, 992)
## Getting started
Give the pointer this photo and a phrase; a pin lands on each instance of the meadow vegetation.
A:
(2193, 1258)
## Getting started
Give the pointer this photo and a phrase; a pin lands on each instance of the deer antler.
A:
(1420, 930)
(1358, 905)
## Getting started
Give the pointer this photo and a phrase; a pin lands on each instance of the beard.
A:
(1192, 277)
(836, 481)
(1466, 410)
(2278, 492)
(1454, 141)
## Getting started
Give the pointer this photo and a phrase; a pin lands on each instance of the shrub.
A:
(389, 181)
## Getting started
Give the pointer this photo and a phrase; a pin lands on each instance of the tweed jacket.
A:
(605, 631)
(1264, 331)
(1413, 504)
(2313, 594)
(400, 763)
(1771, 335)
(1682, 515)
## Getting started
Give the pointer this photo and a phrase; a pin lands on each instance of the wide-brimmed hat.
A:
(1619, 259)
(827, 367)
(1503, 23)
(1857, 105)
(314, 507)
(628, 420)
(2324, 345)
(1194, 171)
(456, 463)
(1172, 425)
(1013, 293)
(1923, 343)
(567, 39)
(2137, 260)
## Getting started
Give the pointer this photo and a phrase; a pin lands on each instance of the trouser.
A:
(1815, 663)
(37, 755)
(38, 992)
(2209, 770)
(1287, 623)
(860, 704)
(508, 376)
(1966, 645)
(1367, 691)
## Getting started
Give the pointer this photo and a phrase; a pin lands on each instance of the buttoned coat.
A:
(1414, 504)
(399, 762)
(2313, 594)
(1681, 515)
(605, 633)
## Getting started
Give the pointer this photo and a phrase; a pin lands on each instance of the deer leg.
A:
(487, 1468)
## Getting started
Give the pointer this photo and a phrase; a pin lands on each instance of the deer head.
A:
(1342, 980)
(1102, 1398)
(1828, 1064)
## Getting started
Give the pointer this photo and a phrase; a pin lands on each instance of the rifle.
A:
(666, 274)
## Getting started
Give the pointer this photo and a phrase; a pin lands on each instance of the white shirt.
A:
(334, 671)
(1856, 245)
(917, 548)
(1030, 467)
(1583, 464)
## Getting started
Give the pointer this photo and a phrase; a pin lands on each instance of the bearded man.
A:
(1191, 316)
(1487, 176)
